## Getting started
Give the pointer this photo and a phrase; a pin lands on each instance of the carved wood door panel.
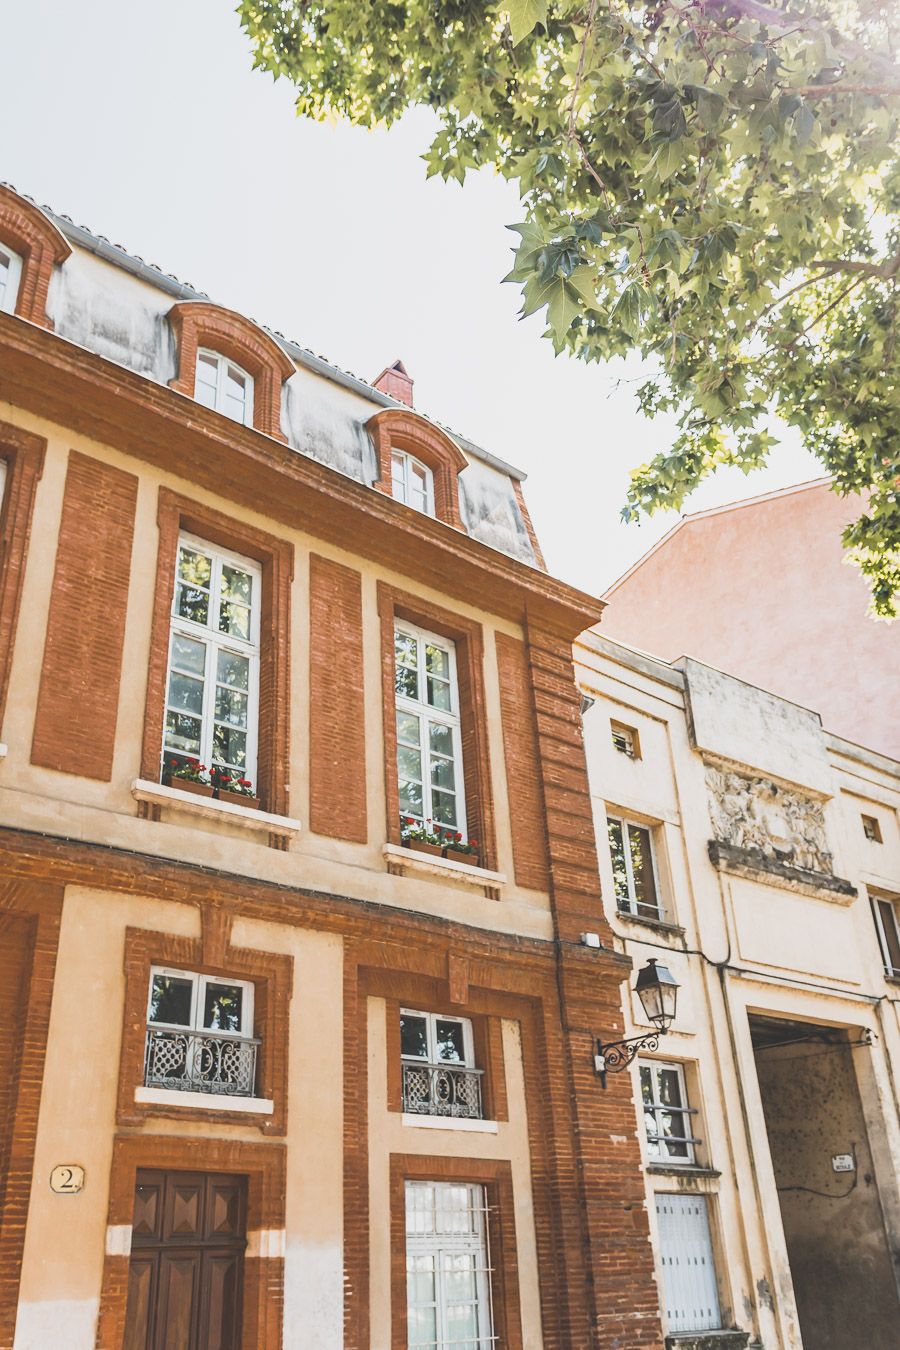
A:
(187, 1257)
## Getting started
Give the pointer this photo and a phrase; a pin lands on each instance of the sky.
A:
(146, 123)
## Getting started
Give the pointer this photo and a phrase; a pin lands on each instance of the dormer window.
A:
(10, 275)
(412, 482)
(222, 385)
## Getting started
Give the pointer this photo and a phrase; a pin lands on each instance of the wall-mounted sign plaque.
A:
(843, 1162)
(67, 1179)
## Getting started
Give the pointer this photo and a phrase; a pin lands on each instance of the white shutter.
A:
(690, 1296)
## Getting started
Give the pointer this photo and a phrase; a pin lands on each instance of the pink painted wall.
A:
(762, 591)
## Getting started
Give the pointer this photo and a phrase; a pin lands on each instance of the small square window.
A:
(872, 828)
(625, 739)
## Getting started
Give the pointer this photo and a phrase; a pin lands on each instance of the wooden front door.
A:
(187, 1262)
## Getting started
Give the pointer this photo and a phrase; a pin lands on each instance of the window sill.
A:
(707, 1340)
(672, 930)
(449, 1123)
(683, 1170)
(402, 860)
(143, 790)
(204, 1101)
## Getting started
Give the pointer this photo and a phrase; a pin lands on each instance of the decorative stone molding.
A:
(756, 866)
(41, 246)
(392, 429)
(764, 817)
(196, 323)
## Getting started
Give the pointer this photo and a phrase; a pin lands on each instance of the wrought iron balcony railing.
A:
(200, 1061)
(442, 1090)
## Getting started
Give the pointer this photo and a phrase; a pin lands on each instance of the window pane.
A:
(439, 694)
(236, 585)
(193, 567)
(409, 763)
(437, 661)
(408, 728)
(642, 868)
(419, 1207)
(442, 774)
(410, 799)
(207, 369)
(235, 384)
(223, 1007)
(231, 707)
(443, 807)
(440, 738)
(192, 604)
(669, 1087)
(891, 938)
(421, 1325)
(185, 693)
(617, 854)
(455, 1215)
(230, 746)
(233, 670)
(183, 733)
(449, 1041)
(407, 683)
(234, 619)
(188, 654)
(170, 1000)
(418, 476)
(646, 1084)
(413, 1036)
(406, 651)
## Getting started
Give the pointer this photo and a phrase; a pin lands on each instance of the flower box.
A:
(238, 798)
(420, 846)
(459, 855)
(189, 785)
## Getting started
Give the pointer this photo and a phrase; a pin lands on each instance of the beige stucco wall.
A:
(747, 946)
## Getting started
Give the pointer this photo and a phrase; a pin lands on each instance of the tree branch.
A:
(823, 90)
(884, 270)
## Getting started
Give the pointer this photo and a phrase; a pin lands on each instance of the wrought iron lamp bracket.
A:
(614, 1056)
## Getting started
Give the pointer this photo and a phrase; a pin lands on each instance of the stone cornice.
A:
(54, 378)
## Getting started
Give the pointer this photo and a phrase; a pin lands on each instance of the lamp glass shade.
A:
(657, 989)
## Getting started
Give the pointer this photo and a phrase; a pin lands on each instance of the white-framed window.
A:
(429, 748)
(448, 1272)
(690, 1292)
(887, 925)
(223, 385)
(667, 1114)
(412, 482)
(182, 1000)
(212, 689)
(435, 1039)
(625, 740)
(634, 868)
(10, 276)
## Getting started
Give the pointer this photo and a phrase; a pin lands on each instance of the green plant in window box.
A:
(461, 850)
(421, 835)
(188, 775)
(233, 787)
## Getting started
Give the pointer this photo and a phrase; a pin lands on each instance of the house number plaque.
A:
(67, 1179)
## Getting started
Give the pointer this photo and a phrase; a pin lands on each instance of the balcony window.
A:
(667, 1115)
(222, 385)
(412, 482)
(887, 926)
(10, 275)
(429, 750)
(634, 868)
(438, 1066)
(212, 690)
(200, 1034)
(448, 1271)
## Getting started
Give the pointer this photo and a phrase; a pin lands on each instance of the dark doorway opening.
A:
(187, 1262)
(841, 1267)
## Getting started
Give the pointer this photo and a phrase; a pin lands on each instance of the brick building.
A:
(274, 1074)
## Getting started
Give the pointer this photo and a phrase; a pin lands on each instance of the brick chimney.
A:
(394, 381)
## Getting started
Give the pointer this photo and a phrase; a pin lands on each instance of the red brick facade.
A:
(23, 455)
(337, 714)
(78, 700)
(25, 228)
(520, 751)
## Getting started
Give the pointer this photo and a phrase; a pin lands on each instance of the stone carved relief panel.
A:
(758, 814)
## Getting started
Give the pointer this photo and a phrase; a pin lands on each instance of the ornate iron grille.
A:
(200, 1061)
(442, 1090)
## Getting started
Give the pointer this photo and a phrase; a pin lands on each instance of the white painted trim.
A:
(204, 1101)
(118, 1239)
(144, 790)
(266, 1243)
(449, 1123)
(4, 750)
(430, 863)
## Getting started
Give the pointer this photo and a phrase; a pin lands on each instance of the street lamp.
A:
(657, 989)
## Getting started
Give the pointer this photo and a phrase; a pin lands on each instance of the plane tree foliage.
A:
(713, 184)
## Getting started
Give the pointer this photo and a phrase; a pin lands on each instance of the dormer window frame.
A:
(10, 277)
(224, 368)
(402, 487)
(393, 430)
(39, 246)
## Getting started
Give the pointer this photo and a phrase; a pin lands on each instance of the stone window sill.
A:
(449, 1123)
(402, 860)
(661, 926)
(673, 1170)
(708, 1340)
(204, 1101)
(143, 790)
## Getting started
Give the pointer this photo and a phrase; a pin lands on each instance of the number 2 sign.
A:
(67, 1179)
